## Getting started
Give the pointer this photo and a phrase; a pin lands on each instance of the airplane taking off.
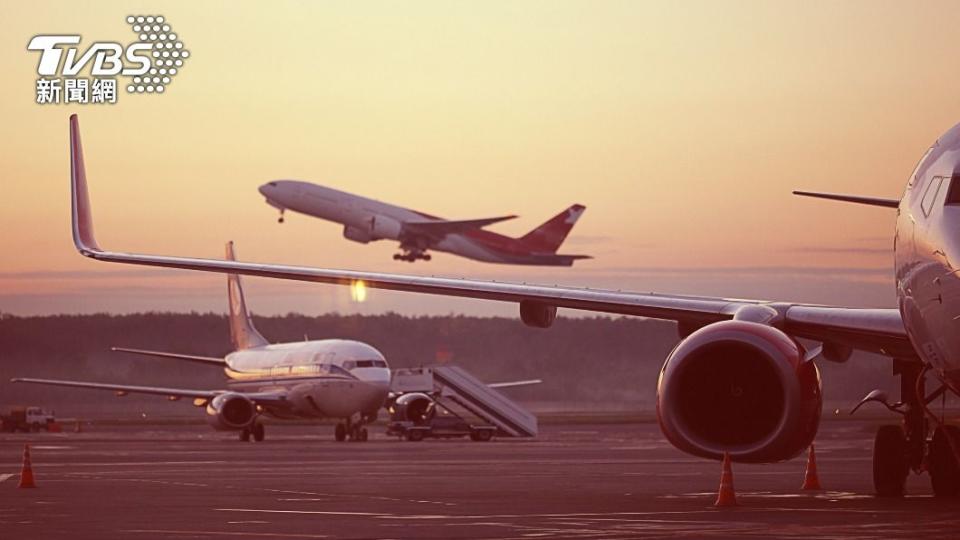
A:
(329, 378)
(365, 220)
(740, 381)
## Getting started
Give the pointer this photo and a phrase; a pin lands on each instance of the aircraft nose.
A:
(267, 188)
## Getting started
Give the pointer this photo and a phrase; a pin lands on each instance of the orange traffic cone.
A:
(26, 473)
(726, 496)
(811, 481)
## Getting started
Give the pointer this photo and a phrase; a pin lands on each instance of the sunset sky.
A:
(682, 126)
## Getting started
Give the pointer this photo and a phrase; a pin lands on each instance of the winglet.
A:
(82, 220)
(870, 201)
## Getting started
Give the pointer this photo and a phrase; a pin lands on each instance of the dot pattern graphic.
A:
(166, 53)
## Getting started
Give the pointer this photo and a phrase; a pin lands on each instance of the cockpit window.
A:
(933, 188)
(350, 364)
(273, 184)
(953, 196)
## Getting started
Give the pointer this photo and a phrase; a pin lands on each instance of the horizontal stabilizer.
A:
(209, 360)
(871, 201)
(442, 228)
(512, 384)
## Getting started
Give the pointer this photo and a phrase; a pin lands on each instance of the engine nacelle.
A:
(357, 234)
(739, 387)
(416, 407)
(231, 411)
(537, 314)
(385, 228)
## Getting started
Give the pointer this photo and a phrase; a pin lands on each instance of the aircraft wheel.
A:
(414, 435)
(427, 257)
(889, 461)
(482, 435)
(245, 435)
(340, 432)
(944, 469)
(258, 432)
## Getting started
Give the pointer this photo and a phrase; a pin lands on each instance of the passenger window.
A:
(931, 195)
(953, 196)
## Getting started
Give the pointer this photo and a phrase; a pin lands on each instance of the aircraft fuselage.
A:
(329, 378)
(927, 253)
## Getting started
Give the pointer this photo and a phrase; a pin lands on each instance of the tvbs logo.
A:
(150, 63)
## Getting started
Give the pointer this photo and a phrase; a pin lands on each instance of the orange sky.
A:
(682, 126)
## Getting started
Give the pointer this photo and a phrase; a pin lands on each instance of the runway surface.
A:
(574, 481)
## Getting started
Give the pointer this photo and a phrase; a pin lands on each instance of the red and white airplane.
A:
(366, 220)
(740, 381)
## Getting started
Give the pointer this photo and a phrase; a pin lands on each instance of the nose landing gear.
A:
(280, 219)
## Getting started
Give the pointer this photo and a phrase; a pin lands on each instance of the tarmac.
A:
(575, 481)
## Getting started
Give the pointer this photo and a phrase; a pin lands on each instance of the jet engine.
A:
(739, 387)
(536, 314)
(416, 407)
(231, 411)
(385, 228)
(357, 234)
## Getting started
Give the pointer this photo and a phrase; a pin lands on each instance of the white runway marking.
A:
(225, 533)
(319, 512)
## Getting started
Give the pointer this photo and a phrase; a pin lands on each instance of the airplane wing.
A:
(156, 390)
(875, 330)
(439, 229)
(208, 360)
(262, 398)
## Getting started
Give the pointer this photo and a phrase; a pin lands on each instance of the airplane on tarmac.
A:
(328, 378)
(365, 220)
(740, 381)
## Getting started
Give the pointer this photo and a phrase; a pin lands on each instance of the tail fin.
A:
(547, 237)
(243, 335)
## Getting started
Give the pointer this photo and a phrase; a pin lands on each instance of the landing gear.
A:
(942, 464)
(897, 450)
(256, 430)
(411, 256)
(890, 461)
(280, 219)
(412, 251)
(349, 430)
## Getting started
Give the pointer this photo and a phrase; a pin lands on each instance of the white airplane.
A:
(329, 378)
(366, 220)
(740, 381)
